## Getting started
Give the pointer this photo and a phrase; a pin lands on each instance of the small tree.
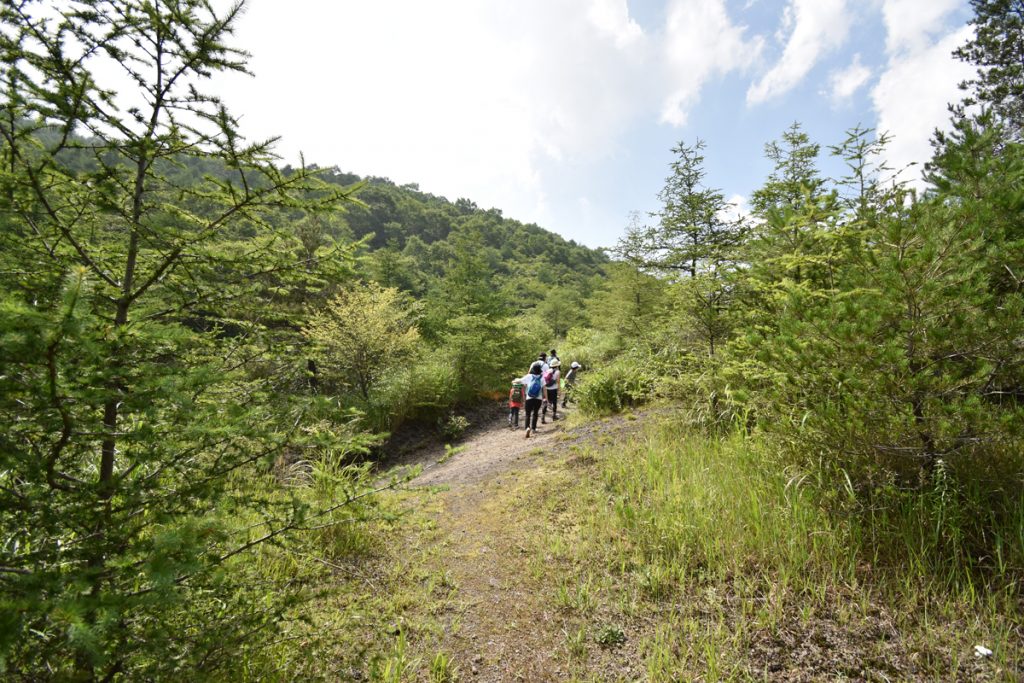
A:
(628, 303)
(692, 234)
(694, 237)
(790, 211)
(362, 333)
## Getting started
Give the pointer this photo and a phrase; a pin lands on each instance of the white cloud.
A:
(465, 98)
(843, 83)
(612, 18)
(910, 24)
(818, 26)
(701, 42)
(481, 100)
(920, 80)
(736, 209)
(513, 104)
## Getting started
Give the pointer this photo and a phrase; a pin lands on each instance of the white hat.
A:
(574, 365)
(555, 363)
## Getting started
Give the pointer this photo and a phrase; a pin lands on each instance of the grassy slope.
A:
(638, 551)
(751, 577)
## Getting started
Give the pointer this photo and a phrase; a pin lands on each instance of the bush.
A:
(422, 390)
(478, 357)
(614, 387)
(453, 427)
(485, 353)
(589, 347)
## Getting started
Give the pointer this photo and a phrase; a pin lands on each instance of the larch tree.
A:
(130, 420)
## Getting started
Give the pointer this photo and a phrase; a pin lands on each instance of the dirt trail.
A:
(502, 624)
(486, 454)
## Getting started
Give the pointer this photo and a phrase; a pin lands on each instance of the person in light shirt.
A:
(551, 380)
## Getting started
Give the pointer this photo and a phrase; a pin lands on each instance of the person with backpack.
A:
(553, 356)
(535, 395)
(516, 396)
(551, 379)
(569, 382)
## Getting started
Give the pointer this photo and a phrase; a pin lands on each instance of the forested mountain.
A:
(412, 239)
(398, 215)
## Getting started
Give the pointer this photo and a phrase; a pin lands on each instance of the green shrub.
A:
(611, 388)
(589, 347)
(485, 353)
(453, 427)
(422, 390)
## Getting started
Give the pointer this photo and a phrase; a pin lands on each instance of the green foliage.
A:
(628, 381)
(873, 326)
(726, 524)
(627, 304)
(484, 353)
(610, 635)
(397, 667)
(589, 347)
(420, 390)
(869, 335)
(145, 405)
(413, 236)
(442, 670)
(997, 49)
(361, 334)
(560, 310)
(453, 427)
(691, 235)
(898, 336)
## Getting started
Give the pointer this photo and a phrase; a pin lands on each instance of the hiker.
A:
(516, 396)
(569, 382)
(553, 356)
(551, 378)
(543, 359)
(535, 395)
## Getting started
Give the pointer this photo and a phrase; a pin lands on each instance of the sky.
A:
(564, 112)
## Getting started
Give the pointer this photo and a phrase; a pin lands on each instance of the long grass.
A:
(740, 550)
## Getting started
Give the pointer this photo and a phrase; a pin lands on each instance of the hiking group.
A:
(539, 389)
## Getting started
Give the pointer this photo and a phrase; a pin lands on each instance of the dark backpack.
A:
(536, 387)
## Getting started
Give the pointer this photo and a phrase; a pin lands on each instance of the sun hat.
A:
(574, 365)
(555, 363)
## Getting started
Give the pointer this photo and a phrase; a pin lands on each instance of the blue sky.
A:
(564, 112)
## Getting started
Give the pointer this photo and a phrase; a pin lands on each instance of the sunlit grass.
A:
(742, 548)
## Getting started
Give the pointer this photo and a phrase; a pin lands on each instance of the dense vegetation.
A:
(197, 345)
(866, 337)
(200, 348)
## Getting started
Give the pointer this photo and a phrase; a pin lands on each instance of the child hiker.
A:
(516, 396)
